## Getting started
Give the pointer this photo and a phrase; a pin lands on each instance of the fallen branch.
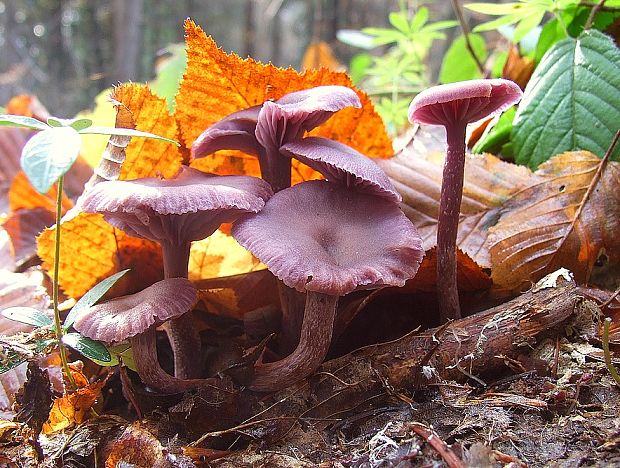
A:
(470, 348)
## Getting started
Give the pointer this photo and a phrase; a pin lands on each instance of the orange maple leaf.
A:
(217, 84)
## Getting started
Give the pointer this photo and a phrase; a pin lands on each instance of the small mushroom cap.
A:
(189, 207)
(322, 237)
(128, 316)
(342, 164)
(464, 101)
(236, 131)
(291, 116)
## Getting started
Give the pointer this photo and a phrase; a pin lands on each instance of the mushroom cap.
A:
(295, 113)
(236, 131)
(322, 237)
(342, 164)
(128, 316)
(189, 207)
(464, 101)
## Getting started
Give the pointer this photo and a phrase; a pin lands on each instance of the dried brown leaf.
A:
(417, 172)
(569, 216)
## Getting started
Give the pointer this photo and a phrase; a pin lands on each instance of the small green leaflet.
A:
(77, 124)
(28, 315)
(458, 64)
(125, 132)
(91, 297)
(526, 13)
(572, 101)
(86, 347)
(49, 155)
(7, 120)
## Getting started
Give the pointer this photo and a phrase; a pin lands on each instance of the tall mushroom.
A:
(175, 212)
(326, 240)
(135, 317)
(262, 130)
(454, 106)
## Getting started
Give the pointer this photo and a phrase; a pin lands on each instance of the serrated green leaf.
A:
(458, 64)
(124, 132)
(8, 120)
(27, 315)
(91, 297)
(86, 347)
(49, 155)
(572, 101)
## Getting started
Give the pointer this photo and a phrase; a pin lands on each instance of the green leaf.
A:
(28, 315)
(8, 120)
(359, 66)
(495, 9)
(498, 64)
(399, 21)
(572, 101)
(166, 84)
(91, 297)
(77, 124)
(356, 38)
(527, 24)
(551, 33)
(419, 19)
(86, 347)
(124, 132)
(49, 155)
(494, 139)
(458, 64)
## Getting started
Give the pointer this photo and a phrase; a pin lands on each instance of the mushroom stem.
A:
(183, 337)
(275, 169)
(448, 222)
(292, 305)
(314, 342)
(145, 357)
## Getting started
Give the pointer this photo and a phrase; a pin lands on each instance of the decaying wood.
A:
(462, 351)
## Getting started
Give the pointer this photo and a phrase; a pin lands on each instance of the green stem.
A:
(608, 362)
(61, 345)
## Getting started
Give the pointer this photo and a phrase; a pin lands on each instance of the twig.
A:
(593, 12)
(608, 363)
(601, 8)
(451, 459)
(459, 14)
(237, 428)
(610, 299)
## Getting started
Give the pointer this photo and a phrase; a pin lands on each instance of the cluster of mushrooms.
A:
(322, 239)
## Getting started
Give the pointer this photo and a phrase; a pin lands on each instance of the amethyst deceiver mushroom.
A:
(326, 240)
(135, 318)
(175, 212)
(262, 130)
(454, 106)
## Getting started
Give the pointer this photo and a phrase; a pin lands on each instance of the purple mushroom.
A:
(175, 212)
(262, 130)
(454, 106)
(326, 240)
(135, 318)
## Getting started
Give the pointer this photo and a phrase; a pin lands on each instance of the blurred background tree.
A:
(67, 51)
